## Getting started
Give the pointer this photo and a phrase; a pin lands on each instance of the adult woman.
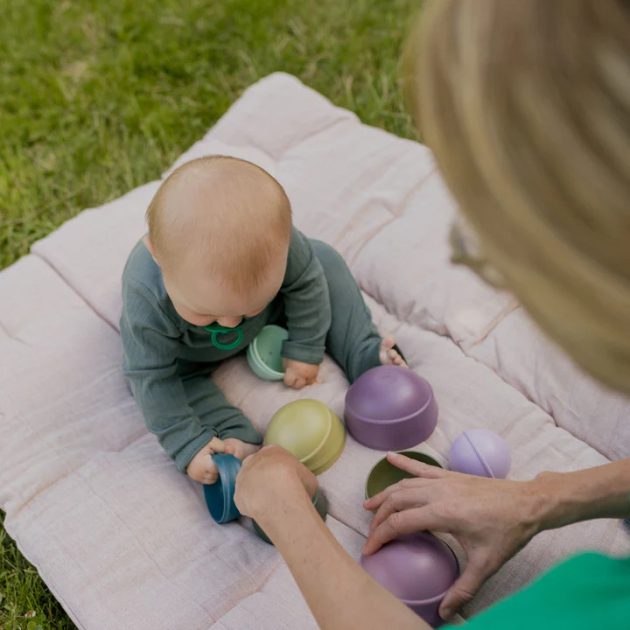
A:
(527, 108)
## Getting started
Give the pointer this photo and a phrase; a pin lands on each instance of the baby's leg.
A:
(352, 341)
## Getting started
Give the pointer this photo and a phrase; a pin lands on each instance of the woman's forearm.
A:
(338, 591)
(600, 492)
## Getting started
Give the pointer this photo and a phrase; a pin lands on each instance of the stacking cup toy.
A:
(264, 353)
(384, 474)
(220, 495)
(480, 452)
(321, 505)
(390, 408)
(311, 431)
(418, 569)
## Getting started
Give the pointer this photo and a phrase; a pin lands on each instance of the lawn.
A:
(98, 97)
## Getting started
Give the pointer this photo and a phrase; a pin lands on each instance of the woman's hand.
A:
(492, 519)
(268, 475)
(275, 489)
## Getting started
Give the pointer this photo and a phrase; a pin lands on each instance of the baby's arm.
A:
(150, 342)
(307, 308)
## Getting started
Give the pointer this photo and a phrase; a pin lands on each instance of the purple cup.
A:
(390, 408)
(480, 452)
(418, 569)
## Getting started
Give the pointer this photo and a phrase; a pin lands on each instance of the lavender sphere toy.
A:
(418, 569)
(390, 408)
(480, 452)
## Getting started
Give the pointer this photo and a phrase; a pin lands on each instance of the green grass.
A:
(25, 602)
(98, 97)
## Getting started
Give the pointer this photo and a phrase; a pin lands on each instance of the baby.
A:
(222, 260)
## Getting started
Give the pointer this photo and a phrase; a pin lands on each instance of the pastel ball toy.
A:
(384, 474)
(219, 496)
(390, 408)
(311, 431)
(418, 569)
(264, 353)
(480, 452)
(321, 505)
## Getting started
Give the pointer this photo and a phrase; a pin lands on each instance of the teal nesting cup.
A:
(264, 353)
(220, 495)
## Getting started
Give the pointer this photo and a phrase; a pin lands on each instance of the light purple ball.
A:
(418, 569)
(480, 452)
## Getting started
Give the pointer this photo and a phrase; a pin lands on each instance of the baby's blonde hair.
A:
(526, 105)
(238, 222)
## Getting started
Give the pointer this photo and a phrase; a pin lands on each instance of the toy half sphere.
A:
(418, 569)
(311, 431)
(390, 408)
(480, 452)
(264, 353)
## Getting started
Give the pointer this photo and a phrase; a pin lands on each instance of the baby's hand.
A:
(201, 467)
(240, 449)
(298, 374)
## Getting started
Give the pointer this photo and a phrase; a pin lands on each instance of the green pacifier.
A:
(215, 330)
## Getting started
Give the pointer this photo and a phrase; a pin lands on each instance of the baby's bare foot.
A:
(240, 449)
(388, 355)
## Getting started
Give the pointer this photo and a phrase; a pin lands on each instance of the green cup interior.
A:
(260, 369)
(268, 347)
(385, 474)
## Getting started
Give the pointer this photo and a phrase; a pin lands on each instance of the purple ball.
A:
(480, 452)
(418, 569)
(390, 408)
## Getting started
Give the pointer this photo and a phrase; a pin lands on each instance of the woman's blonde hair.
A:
(526, 105)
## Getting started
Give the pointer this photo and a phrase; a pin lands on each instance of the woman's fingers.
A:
(397, 501)
(421, 472)
(406, 484)
(414, 467)
(477, 571)
(400, 523)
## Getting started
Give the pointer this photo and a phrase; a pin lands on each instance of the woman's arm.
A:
(600, 492)
(275, 490)
(492, 518)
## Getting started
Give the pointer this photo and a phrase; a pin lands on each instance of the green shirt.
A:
(161, 349)
(586, 592)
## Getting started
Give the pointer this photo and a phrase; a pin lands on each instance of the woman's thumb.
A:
(463, 590)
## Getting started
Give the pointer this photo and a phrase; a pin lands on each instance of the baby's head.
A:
(219, 228)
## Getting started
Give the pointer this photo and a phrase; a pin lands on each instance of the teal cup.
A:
(219, 496)
(264, 353)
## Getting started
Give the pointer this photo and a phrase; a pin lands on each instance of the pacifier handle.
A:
(216, 329)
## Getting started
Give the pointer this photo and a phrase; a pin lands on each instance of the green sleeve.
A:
(306, 303)
(585, 592)
(150, 341)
